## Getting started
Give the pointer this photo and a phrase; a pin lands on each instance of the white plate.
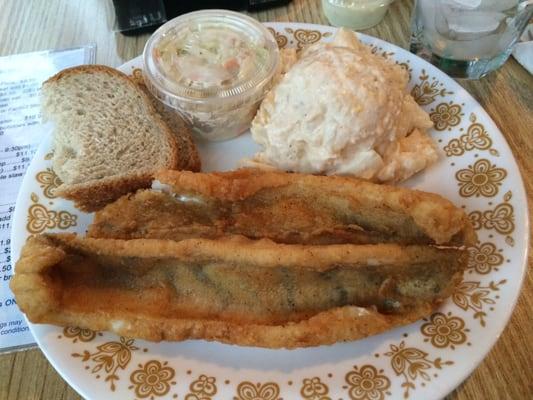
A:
(425, 360)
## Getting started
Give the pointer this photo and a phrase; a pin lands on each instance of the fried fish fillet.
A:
(231, 290)
(283, 207)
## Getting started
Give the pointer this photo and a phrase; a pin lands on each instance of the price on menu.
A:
(21, 77)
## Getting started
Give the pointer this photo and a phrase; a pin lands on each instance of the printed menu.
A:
(21, 77)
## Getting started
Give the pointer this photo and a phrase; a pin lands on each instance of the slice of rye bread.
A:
(180, 129)
(109, 139)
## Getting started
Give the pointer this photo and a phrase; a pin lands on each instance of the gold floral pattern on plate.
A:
(314, 389)
(305, 37)
(49, 155)
(476, 297)
(367, 383)
(411, 364)
(427, 89)
(109, 358)
(137, 75)
(83, 335)
(482, 178)
(49, 182)
(500, 218)
(378, 50)
(281, 39)
(475, 138)
(266, 391)
(446, 115)
(203, 388)
(484, 258)
(153, 379)
(41, 218)
(444, 330)
(405, 65)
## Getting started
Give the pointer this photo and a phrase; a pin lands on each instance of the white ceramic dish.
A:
(425, 360)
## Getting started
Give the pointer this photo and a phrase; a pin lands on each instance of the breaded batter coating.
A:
(283, 207)
(232, 290)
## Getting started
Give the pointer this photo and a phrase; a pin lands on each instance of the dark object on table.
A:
(178, 7)
(139, 16)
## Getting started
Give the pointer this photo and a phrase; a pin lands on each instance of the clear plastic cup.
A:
(355, 14)
(213, 67)
(468, 38)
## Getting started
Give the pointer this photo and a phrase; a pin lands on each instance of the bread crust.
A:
(182, 132)
(93, 195)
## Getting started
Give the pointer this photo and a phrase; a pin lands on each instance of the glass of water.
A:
(468, 38)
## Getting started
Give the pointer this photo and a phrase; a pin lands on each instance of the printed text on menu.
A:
(21, 77)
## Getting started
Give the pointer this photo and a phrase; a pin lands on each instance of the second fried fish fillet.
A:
(232, 290)
(283, 207)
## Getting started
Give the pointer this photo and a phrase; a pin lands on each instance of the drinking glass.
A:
(467, 38)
